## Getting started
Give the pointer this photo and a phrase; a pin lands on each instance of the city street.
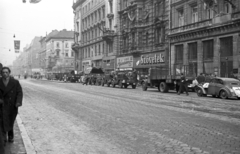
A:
(71, 118)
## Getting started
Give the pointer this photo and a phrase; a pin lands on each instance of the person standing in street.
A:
(183, 85)
(12, 97)
(2, 136)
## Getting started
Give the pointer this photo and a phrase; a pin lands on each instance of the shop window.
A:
(208, 50)
(179, 53)
(226, 46)
(192, 51)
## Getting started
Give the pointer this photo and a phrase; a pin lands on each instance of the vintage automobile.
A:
(220, 87)
(120, 78)
(92, 73)
(106, 79)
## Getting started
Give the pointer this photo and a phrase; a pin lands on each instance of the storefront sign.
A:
(86, 64)
(125, 62)
(151, 59)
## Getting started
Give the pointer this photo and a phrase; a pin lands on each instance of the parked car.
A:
(120, 78)
(106, 79)
(220, 87)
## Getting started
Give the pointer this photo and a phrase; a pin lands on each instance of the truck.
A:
(161, 78)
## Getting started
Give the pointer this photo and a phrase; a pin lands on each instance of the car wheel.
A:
(213, 95)
(125, 85)
(102, 83)
(223, 94)
(113, 85)
(163, 87)
(144, 86)
(200, 92)
(108, 84)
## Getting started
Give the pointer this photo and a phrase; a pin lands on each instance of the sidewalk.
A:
(17, 147)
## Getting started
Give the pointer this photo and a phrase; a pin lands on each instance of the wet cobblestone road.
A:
(69, 118)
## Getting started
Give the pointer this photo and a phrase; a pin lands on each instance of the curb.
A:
(27, 144)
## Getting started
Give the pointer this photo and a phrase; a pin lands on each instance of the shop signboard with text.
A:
(125, 62)
(150, 59)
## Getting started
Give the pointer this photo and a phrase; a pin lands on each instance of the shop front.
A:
(124, 63)
(149, 60)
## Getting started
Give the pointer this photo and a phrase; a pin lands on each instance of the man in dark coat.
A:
(183, 85)
(12, 97)
(2, 137)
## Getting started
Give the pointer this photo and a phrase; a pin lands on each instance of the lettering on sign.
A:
(154, 59)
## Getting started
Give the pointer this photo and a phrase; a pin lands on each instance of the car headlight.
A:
(231, 90)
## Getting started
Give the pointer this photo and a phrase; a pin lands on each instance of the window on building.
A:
(133, 39)
(110, 24)
(159, 8)
(103, 48)
(72, 54)
(95, 50)
(208, 50)
(66, 54)
(66, 45)
(103, 10)
(111, 6)
(159, 35)
(209, 13)
(89, 54)
(226, 47)
(227, 7)
(99, 13)
(146, 39)
(179, 53)
(57, 45)
(99, 49)
(194, 14)
(140, 39)
(180, 18)
(192, 51)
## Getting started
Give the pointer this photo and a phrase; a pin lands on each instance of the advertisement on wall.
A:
(86, 64)
(125, 62)
(150, 59)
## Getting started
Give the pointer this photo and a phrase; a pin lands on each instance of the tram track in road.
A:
(228, 108)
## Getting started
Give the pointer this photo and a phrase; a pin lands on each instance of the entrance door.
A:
(226, 68)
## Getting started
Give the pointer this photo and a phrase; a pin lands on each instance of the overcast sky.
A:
(27, 20)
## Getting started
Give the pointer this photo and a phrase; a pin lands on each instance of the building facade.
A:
(59, 54)
(144, 28)
(95, 30)
(205, 37)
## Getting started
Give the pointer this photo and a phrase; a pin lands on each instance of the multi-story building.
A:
(144, 28)
(59, 54)
(95, 30)
(42, 56)
(205, 37)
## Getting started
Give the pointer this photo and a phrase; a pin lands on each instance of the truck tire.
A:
(120, 84)
(163, 87)
(144, 86)
(133, 86)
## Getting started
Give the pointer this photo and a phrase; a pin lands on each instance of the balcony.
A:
(221, 18)
(108, 35)
(75, 46)
(110, 15)
(192, 26)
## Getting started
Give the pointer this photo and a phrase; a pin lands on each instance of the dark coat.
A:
(12, 96)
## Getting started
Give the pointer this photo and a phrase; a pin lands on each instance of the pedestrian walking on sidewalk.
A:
(183, 85)
(12, 97)
(2, 137)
